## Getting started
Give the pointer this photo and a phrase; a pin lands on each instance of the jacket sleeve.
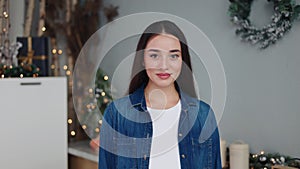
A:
(107, 158)
(210, 130)
(217, 157)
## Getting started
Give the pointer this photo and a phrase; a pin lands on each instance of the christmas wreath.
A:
(285, 13)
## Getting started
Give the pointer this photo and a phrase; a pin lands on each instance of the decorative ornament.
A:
(285, 13)
(266, 161)
(8, 54)
(22, 70)
(263, 159)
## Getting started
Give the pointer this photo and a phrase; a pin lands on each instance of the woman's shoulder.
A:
(199, 102)
(119, 101)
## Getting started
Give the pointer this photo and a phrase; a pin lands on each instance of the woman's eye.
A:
(174, 56)
(153, 55)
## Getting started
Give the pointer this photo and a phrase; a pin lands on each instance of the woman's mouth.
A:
(163, 75)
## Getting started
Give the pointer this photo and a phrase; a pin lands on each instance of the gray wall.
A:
(263, 86)
(16, 14)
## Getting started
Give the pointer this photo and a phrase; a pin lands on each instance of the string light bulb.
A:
(70, 121)
(105, 77)
(105, 100)
(68, 72)
(84, 127)
(90, 90)
(88, 106)
(59, 51)
(65, 67)
(54, 51)
(97, 130)
(73, 133)
(102, 93)
(5, 14)
(43, 28)
(2, 76)
(21, 75)
(52, 66)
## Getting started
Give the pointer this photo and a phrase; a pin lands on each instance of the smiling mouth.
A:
(163, 75)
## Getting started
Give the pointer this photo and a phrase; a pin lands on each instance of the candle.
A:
(223, 152)
(239, 155)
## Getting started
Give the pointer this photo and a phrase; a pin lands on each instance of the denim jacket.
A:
(125, 137)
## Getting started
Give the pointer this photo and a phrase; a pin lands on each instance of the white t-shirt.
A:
(164, 148)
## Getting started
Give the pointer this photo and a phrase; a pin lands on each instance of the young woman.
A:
(161, 123)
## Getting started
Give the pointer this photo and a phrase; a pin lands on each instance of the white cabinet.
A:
(33, 123)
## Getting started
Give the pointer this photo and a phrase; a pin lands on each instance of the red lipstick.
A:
(163, 75)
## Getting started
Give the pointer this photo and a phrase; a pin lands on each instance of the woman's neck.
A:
(161, 98)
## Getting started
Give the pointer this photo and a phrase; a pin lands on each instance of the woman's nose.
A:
(163, 63)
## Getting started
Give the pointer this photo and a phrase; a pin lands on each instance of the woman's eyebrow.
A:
(174, 50)
(157, 50)
(153, 50)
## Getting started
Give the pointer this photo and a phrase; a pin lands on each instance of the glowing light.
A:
(100, 122)
(262, 152)
(84, 127)
(70, 121)
(2, 76)
(4, 29)
(88, 106)
(21, 75)
(97, 130)
(65, 67)
(5, 14)
(54, 51)
(10, 66)
(90, 90)
(105, 100)
(59, 51)
(105, 77)
(73, 133)
(43, 28)
(102, 93)
(68, 72)
(53, 66)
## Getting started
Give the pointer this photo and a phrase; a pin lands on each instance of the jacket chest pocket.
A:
(125, 149)
(202, 153)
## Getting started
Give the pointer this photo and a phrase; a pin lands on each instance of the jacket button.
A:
(180, 135)
(182, 155)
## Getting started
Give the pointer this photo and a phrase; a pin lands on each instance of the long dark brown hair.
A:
(139, 76)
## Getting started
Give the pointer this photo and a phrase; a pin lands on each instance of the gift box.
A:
(35, 50)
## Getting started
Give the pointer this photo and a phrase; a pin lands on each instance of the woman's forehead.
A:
(164, 42)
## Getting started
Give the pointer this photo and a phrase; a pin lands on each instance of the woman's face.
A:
(163, 60)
